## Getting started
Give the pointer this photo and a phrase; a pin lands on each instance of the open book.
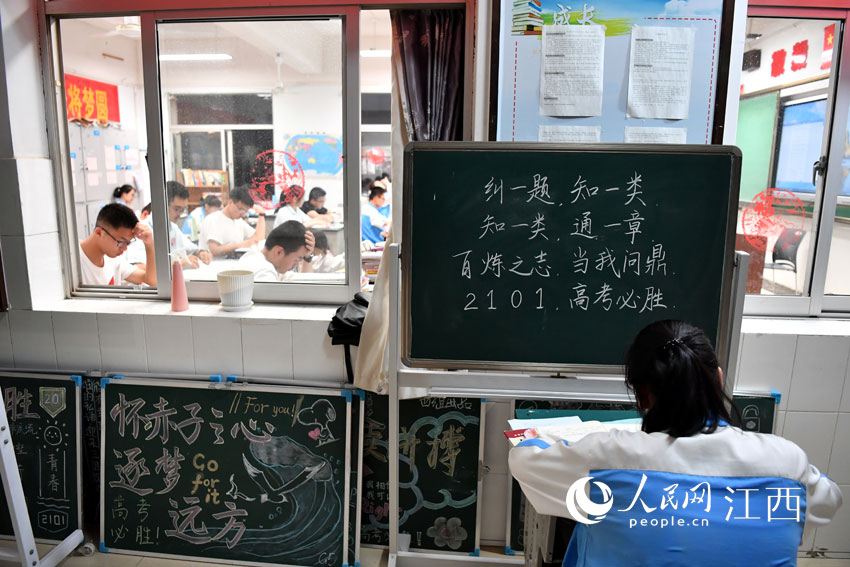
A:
(571, 431)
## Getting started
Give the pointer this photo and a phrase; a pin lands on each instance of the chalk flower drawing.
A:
(447, 532)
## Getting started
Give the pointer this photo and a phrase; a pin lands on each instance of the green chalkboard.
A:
(755, 138)
(555, 256)
(438, 472)
(231, 472)
(44, 421)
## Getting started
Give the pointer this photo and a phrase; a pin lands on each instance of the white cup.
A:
(236, 289)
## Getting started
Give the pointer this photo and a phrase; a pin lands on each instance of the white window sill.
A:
(196, 309)
(817, 326)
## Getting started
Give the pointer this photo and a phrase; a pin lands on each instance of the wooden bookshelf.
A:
(200, 182)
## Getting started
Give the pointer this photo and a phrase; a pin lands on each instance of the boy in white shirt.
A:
(102, 259)
(224, 231)
(286, 247)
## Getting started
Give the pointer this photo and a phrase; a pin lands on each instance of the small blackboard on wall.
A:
(43, 414)
(439, 444)
(545, 256)
(226, 471)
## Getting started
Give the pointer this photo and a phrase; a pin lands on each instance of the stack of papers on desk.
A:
(569, 429)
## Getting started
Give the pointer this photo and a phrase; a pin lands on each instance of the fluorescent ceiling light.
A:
(375, 53)
(195, 57)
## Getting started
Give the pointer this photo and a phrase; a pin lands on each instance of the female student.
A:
(289, 208)
(689, 489)
(124, 195)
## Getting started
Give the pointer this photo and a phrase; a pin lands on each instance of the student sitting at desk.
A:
(287, 247)
(224, 231)
(373, 224)
(324, 260)
(207, 206)
(289, 208)
(314, 207)
(102, 258)
(689, 489)
(178, 243)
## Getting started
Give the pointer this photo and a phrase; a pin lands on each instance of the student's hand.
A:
(143, 232)
(309, 242)
(205, 256)
(259, 210)
(190, 261)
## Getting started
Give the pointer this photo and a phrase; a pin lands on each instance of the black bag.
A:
(344, 328)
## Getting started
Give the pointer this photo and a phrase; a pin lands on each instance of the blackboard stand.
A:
(407, 382)
(27, 553)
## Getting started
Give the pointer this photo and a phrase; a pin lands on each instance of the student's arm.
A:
(217, 249)
(545, 473)
(823, 499)
(309, 243)
(148, 273)
(195, 252)
(260, 231)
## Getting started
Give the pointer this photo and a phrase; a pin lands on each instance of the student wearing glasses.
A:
(102, 258)
(224, 231)
(178, 243)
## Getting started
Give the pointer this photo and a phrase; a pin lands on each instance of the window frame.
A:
(153, 12)
(815, 303)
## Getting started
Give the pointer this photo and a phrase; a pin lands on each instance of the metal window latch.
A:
(818, 168)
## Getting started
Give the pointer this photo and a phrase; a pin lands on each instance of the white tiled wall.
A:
(810, 372)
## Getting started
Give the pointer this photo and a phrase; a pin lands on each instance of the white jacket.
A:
(724, 498)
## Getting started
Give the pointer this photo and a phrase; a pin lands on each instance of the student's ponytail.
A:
(672, 369)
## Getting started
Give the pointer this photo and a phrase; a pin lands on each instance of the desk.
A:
(208, 272)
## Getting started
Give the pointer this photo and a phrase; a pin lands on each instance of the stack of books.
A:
(202, 178)
(527, 18)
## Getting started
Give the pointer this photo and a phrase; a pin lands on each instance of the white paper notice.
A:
(91, 164)
(575, 134)
(111, 178)
(93, 179)
(109, 160)
(571, 79)
(660, 72)
(645, 135)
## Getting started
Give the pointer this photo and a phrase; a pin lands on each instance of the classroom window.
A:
(271, 144)
(106, 138)
(789, 91)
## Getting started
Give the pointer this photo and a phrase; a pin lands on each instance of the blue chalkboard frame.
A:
(724, 333)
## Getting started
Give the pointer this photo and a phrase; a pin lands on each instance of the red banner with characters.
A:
(91, 100)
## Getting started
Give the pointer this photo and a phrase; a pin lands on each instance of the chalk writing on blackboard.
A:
(438, 456)
(42, 421)
(611, 246)
(247, 475)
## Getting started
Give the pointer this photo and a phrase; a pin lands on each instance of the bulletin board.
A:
(521, 45)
